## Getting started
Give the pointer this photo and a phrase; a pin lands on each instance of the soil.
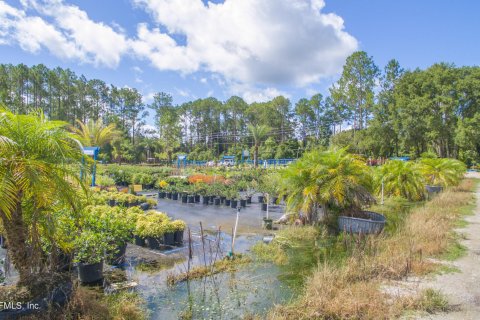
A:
(462, 288)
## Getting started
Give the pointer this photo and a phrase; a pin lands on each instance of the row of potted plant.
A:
(113, 198)
(156, 229)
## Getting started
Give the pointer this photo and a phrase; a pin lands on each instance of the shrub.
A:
(151, 224)
(178, 225)
(401, 179)
(90, 247)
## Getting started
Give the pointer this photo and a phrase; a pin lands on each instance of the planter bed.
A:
(373, 225)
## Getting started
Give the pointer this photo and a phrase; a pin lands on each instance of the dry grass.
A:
(90, 304)
(352, 290)
(224, 265)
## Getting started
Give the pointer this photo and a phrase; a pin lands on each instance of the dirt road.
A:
(462, 288)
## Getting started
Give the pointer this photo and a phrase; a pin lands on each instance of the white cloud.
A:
(249, 47)
(182, 92)
(253, 94)
(247, 41)
(71, 34)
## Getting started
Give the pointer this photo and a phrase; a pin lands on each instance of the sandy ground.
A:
(462, 288)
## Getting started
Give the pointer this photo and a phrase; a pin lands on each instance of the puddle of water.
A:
(253, 289)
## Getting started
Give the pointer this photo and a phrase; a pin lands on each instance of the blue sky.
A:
(256, 49)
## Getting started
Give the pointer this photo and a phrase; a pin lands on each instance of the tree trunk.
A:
(16, 235)
(255, 155)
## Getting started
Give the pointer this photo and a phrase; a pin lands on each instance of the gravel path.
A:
(462, 288)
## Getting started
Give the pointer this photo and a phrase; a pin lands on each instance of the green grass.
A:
(432, 301)
(454, 251)
(446, 269)
(396, 210)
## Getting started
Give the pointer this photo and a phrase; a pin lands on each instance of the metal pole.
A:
(235, 230)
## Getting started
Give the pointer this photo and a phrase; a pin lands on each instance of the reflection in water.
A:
(253, 289)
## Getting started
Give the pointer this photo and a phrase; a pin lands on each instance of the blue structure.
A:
(93, 152)
(272, 162)
(181, 160)
(404, 158)
(228, 159)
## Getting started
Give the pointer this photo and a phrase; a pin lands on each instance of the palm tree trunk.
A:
(16, 235)
(255, 155)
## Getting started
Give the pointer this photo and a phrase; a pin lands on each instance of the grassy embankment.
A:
(349, 272)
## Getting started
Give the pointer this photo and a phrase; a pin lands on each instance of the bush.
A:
(152, 224)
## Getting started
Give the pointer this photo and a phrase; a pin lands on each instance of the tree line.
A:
(377, 112)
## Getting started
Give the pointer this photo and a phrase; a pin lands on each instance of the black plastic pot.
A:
(260, 199)
(161, 195)
(169, 238)
(90, 273)
(3, 242)
(178, 237)
(267, 223)
(191, 199)
(222, 199)
(111, 202)
(233, 203)
(154, 242)
(197, 198)
(274, 200)
(169, 195)
(145, 206)
(184, 199)
(174, 196)
(206, 199)
(243, 203)
(249, 200)
(216, 201)
(118, 257)
(139, 241)
(227, 202)
(264, 207)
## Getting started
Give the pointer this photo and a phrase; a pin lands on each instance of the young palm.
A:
(442, 172)
(259, 133)
(95, 133)
(327, 178)
(401, 178)
(37, 173)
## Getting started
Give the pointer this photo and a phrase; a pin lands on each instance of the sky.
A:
(256, 49)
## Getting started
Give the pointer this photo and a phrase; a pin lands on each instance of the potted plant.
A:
(179, 227)
(169, 233)
(90, 247)
(152, 227)
(162, 185)
(119, 227)
(231, 195)
(168, 191)
(252, 187)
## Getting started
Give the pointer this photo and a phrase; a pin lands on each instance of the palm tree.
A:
(259, 133)
(95, 133)
(442, 172)
(401, 178)
(325, 179)
(36, 175)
